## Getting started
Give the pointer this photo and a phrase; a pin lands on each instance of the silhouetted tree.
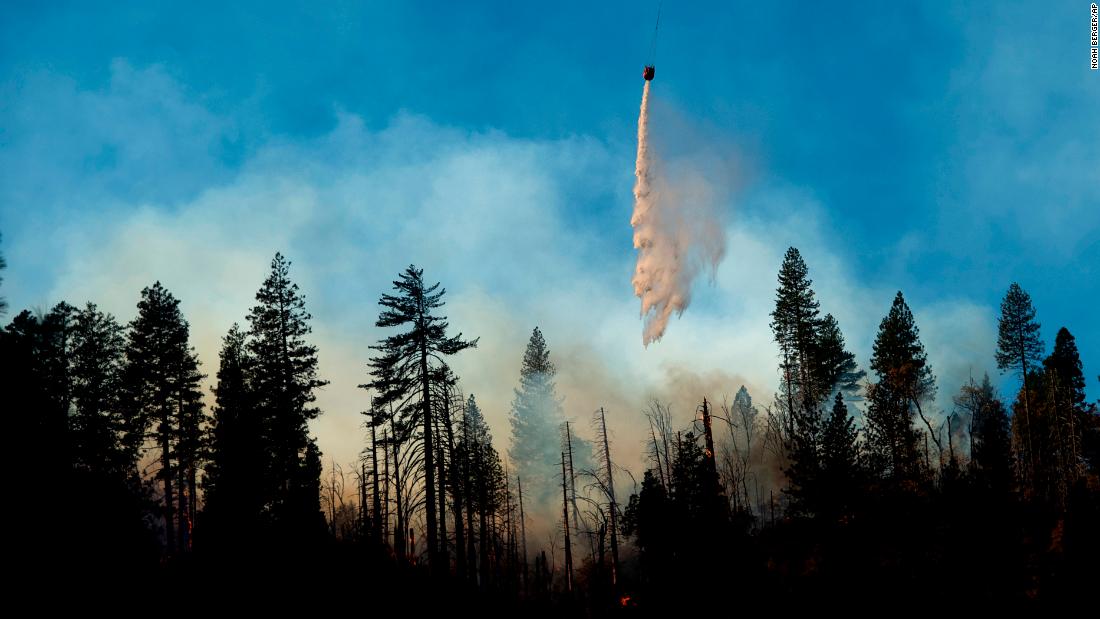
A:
(33, 350)
(836, 366)
(451, 404)
(234, 481)
(485, 478)
(795, 326)
(162, 386)
(814, 363)
(97, 422)
(1065, 362)
(904, 380)
(283, 379)
(1065, 383)
(1019, 348)
(685, 534)
(392, 405)
(36, 355)
(840, 459)
(1050, 410)
(407, 357)
(990, 443)
(647, 518)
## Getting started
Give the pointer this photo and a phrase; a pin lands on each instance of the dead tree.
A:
(572, 478)
(385, 524)
(451, 396)
(709, 436)
(565, 517)
(611, 496)
(377, 516)
(399, 543)
(522, 530)
(657, 455)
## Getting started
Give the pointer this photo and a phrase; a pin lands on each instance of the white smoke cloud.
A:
(488, 215)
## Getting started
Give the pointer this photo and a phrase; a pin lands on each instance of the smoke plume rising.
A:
(676, 232)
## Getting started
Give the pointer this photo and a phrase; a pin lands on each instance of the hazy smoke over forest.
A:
(676, 232)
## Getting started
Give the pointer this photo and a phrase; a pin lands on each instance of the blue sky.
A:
(944, 149)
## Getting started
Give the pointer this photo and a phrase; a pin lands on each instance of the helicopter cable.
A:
(653, 43)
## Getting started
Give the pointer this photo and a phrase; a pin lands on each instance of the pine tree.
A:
(904, 381)
(392, 405)
(283, 380)
(407, 357)
(104, 486)
(97, 423)
(36, 355)
(484, 477)
(836, 366)
(669, 524)
(795, 326)
(805, 484)
(234, 473)
(162, 386)
(34, 351)
(647, 518)
(1058, 409)
(814, 363)
(840, 460)
(190, 449)
(535, 416)
(1065, 362)
(990, 443)
(1019, 348)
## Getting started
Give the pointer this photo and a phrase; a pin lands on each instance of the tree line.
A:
(845, 476)
(992, 501)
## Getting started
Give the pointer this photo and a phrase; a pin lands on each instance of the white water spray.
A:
(676, 232)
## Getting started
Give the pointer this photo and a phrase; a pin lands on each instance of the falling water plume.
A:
(676, 232)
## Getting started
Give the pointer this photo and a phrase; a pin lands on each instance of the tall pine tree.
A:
(795, 326)
(814, 363)
(1058, 416)
(1019, 349)
(97, 421)
(162, 388)
(233, 499)
(535, 417)
(904, 380)
(407, 358)
(283, 379)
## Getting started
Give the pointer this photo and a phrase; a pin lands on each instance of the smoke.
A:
(676, 231)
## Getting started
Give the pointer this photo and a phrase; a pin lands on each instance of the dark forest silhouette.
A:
(125, 472)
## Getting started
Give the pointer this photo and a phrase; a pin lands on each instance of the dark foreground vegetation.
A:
(849, 490)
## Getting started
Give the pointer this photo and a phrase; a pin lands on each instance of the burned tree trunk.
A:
(522, 531)
(457, 487)
(612, 522)
(565, 516)
(399, 530)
